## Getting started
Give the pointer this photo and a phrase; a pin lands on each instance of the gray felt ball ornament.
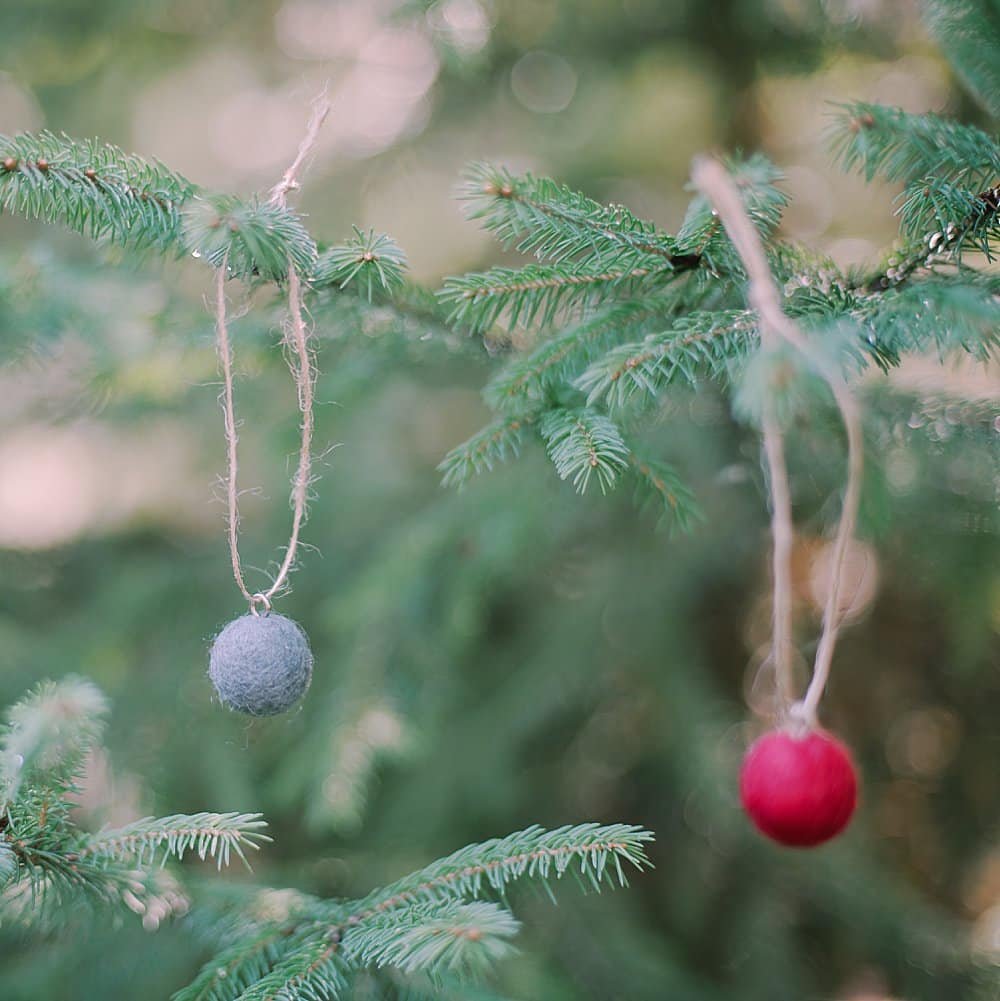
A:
(261, 664)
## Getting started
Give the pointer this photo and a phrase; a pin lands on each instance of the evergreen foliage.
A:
(614, 332)
(969, 33)
(433, 922)
(48, 864)
(611, 344)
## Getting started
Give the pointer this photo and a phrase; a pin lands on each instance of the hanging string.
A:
(783, 537)
(715, 183)
(303, 372)
(229, 416)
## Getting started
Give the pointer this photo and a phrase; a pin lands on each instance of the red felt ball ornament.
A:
(799, 789)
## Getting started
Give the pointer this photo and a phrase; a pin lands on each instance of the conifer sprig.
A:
(370, 262)
(436, 921)
(526, 379)
(313, 970)
(593, 852)
(93, 188)
(255, 238)
(591, 252)
(699, 345)
(887, 142)
(940, 314)
(238, 967)
(583, 443)
(969, 33)
(702, 236)
(535, 294)
(47, 734)
(496, 443)
(208, 835)
(434, 938)
(659, 487)
(48, 864)
(555, 223)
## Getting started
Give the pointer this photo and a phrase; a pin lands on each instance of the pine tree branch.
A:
(255, 239)
(237, 968)
(485, 449)
(597, 851)
(968, 32)
(553, 222)
(701, 233)
(209, 835)
(369, 262)
(312, 970)
(48, 731)
(659, 486)
(947, 217)
(537, 293)
(887, 142)
(527, 379)
(583, 443)
(100, 191)
(700, 344)
(435, 938)
(93, 188)
(943, 314)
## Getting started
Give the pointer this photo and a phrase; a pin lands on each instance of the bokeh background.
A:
(514, 653)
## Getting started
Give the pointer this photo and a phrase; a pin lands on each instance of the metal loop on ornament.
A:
(259, 601)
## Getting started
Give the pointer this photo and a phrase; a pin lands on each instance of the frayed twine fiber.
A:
(303, 372)
(715, 183)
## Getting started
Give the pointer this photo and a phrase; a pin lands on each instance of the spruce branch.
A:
(528, 378)
(593, 852)
(536, 293)
(701, 344)
(944, 217)
(583, 443)
(312, 970)
(46, 735)
(254, 239)
(434, 938)
(370, 262)
(237, 968)
(703, 236)
(432, 922)
(968, 32)
(494, 444)
(109, 195)
(939, 313)
(209, 835)
(660, 488)
(556, 223)
(47, 865)
(887, 142)
(93, 188)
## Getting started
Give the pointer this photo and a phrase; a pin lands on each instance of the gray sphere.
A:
(261, 664)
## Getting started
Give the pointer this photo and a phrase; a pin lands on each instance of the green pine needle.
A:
(582, 444)
(369, 262)
(487, 448)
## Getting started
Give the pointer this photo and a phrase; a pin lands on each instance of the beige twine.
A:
(301, 366)
(715, 183)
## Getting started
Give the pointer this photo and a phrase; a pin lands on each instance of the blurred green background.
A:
(514, 653)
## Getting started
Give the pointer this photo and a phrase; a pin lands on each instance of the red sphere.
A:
(800, 790)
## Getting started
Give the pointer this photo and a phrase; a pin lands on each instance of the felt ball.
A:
(261, 664)
(799, 789)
